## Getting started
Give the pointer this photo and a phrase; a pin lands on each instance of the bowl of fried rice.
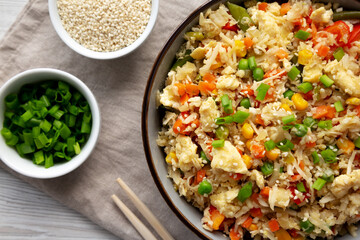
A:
(251, 120)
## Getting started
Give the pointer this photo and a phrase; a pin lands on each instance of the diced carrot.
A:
(310, 144)
(248, 42)
(274, 225)
(181, 88)
(265, 192)
(313, 30)
(236, 176)
(257, 150)
(253, 227)
(247, 91)
(296, 177)
(247, 222)
(302, 165)
(254, 197)
(184, 98)
(179, 127)
(324, 111)
(281, 54)
(235, 235)
(199, 176)
(196, 122)
(259, 120)
(285, 7)
(357, 109)
(262, 6)
(192, 89)
(282, 234)
(256, 212)
(209, 77)
(216, 217)
(206, 87)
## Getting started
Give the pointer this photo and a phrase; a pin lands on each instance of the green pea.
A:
(258, 74)
(204, 187)
(245, 102)
(222, 132)
(243, 64)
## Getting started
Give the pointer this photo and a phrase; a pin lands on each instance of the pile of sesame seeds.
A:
(104, 25)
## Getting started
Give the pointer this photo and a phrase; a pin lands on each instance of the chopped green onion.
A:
(26, 148)
(243, 64)
(288, 94)
(305, 87)
(258, 74)
(245, 192)
(338, 106)
(204, 187)
(223, 120)
(28, 137)
(319, 184)
(39, 157)
(328, 175)
(218, 143)
(70, 142)
(85, 125)
(77, 148)
(328, 155)
(12, 101)
(267, 169)
(309, 122)
(269, 145)
(45, 100)
(262, 91)
(285, 145)
(204, 157)
(288, 119)
(326, 81)
(36, 132)
(49, 160)
(300, 130)
(339, 54)
(65, 132)
(222, 132)
(300, 187)
(245, 102)
(315, 156)
(198, 36)
(357, 142)
(240, 116)
(57, 124)
(307, 226)
(293, 73)
(327, 124)
(45, 125)
(226, 104)
(302, 35)
(281, 170)
(252, 63)
(27, 116)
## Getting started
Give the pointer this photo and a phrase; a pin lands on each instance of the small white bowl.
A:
(25, 166)
(56, 21)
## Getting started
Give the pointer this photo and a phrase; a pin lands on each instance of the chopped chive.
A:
(328, 155)
(240, 116)
(285, 145)
(315, 157)
(300, 130)
(267, 169)
(305, 87)
(309, 122)
(339, 54)
(262, 91)
(338, 106)
(223, 120)
(302, 35)
(269, 145)
(218, 143)
(326, 81)
(288, 119)
(293, 73)
(319, 184)
(327, 124)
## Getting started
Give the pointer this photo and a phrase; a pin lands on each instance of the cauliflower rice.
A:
(270, 150)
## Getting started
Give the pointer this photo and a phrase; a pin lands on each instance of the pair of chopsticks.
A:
(148, 215)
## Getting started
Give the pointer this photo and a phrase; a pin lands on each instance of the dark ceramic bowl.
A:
(151, 122)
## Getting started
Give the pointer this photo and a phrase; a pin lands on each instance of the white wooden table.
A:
(25, 212)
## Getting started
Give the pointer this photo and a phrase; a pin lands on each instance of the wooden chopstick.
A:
(148, 215)
(140, 227)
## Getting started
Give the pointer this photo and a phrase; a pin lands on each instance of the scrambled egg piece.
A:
(186, 154)
(187, 70)
(279, 197)
(258, 178)
(169, 98)
(227, 82)
(208, 112)
(228, 159)
(343, 183)
(313, 71)
(224, 201)
(320, 15)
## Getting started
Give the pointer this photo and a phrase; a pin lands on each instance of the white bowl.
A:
(25, 166)
(56, 21)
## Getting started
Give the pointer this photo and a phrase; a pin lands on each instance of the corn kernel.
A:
(240, 48)
(353, 101)
(253, 227)
(304, 57)
(282, 234)
(289, 159)
(299, 102)
(248, 144)
(346, 145)
(247, 160)
(215, 66)
(286, 107)
(287, 101)
(247, 131)
(273, 154)
(171, 156)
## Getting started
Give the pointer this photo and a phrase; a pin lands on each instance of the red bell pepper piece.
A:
(355, 34)
(229, 27)
(341, 30)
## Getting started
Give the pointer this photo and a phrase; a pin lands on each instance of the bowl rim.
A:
(75, 162)
(144, 115)
(75, 46)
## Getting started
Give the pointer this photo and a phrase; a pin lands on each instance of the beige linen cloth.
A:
(118, 86)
